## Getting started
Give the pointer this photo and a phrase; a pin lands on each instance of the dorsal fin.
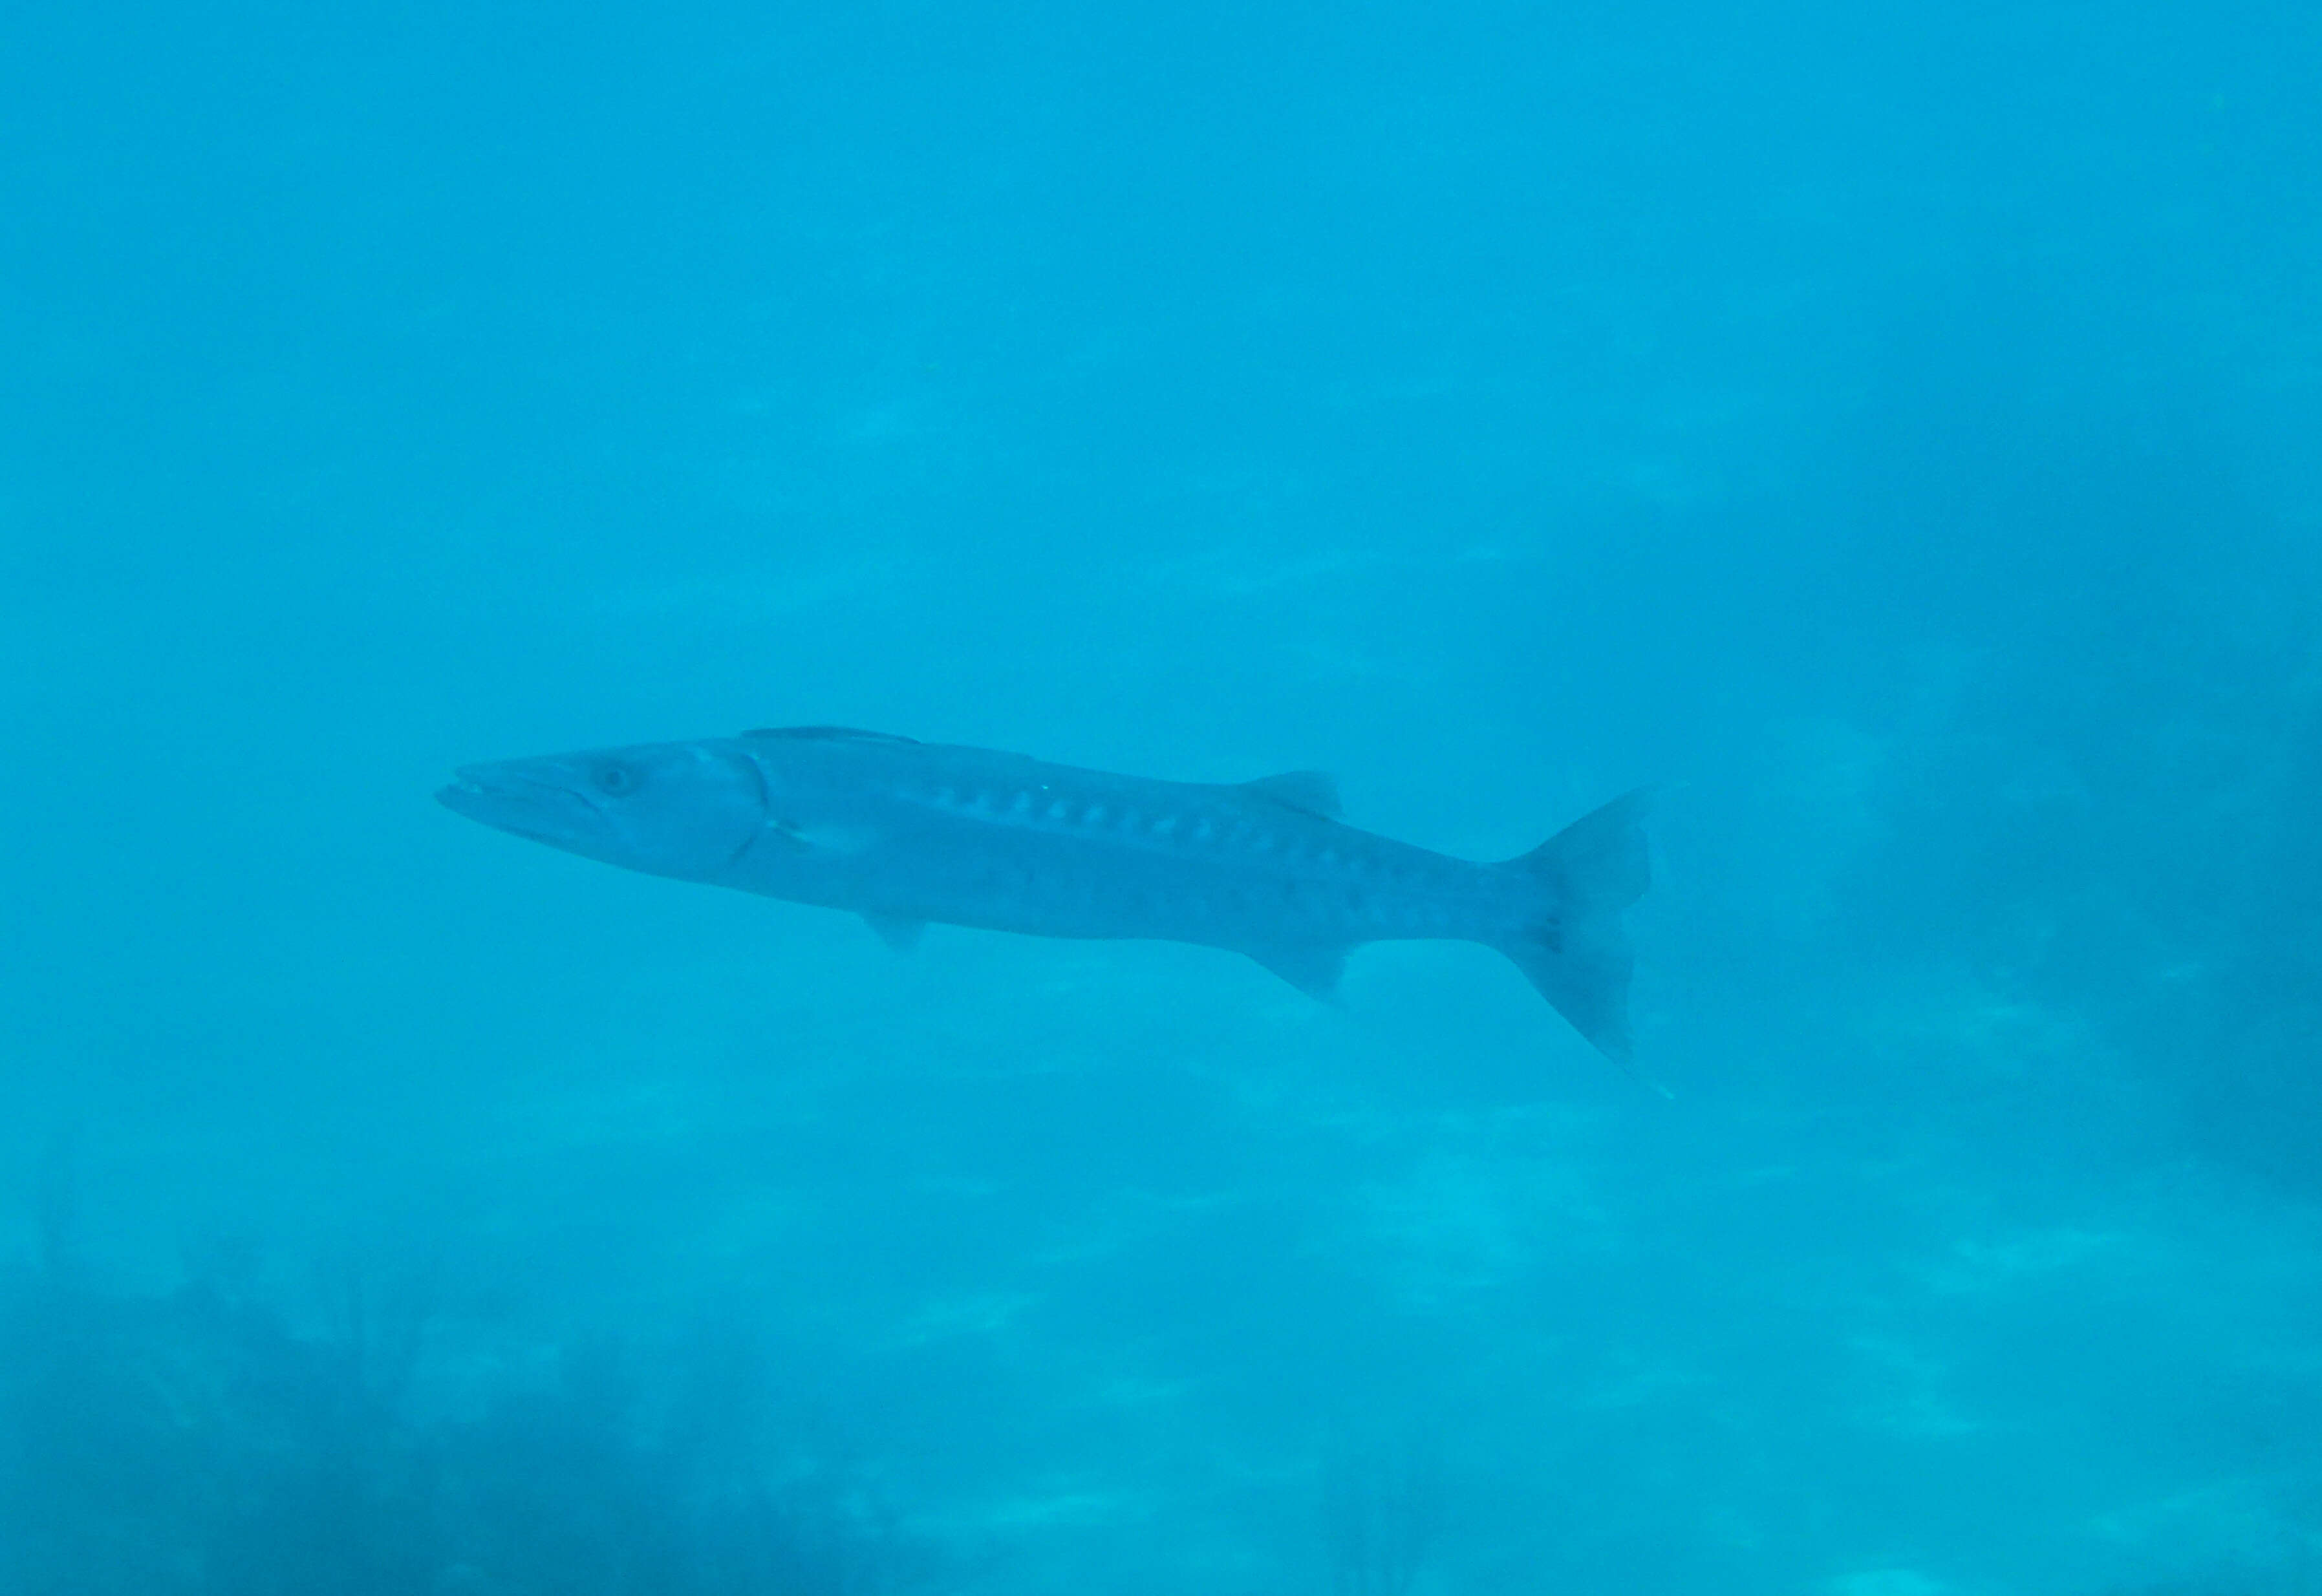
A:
(828, 733)
(1313, 791)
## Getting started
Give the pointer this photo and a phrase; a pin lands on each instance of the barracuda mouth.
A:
(542, 809)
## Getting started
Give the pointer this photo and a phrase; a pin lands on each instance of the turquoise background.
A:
(1892, 426)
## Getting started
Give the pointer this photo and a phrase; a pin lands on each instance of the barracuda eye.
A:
(617, 779)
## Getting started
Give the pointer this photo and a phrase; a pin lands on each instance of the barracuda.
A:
(903, 833)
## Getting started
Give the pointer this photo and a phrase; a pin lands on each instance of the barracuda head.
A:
(681, 810)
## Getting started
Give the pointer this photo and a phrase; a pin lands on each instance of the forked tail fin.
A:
(1576, 950)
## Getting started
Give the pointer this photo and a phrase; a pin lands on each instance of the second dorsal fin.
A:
(1313, 791)
(828, 734)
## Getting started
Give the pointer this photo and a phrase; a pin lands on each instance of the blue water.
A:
(1893, 427)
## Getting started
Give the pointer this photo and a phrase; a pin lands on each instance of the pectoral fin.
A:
(896, 932)
(1313, 968)
(823, 839)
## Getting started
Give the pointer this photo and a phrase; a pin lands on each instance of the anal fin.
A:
(1313, 968)
(896, 931)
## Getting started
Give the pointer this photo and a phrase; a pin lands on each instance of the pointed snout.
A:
(531, 798)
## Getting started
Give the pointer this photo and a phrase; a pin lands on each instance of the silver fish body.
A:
(905, 833)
